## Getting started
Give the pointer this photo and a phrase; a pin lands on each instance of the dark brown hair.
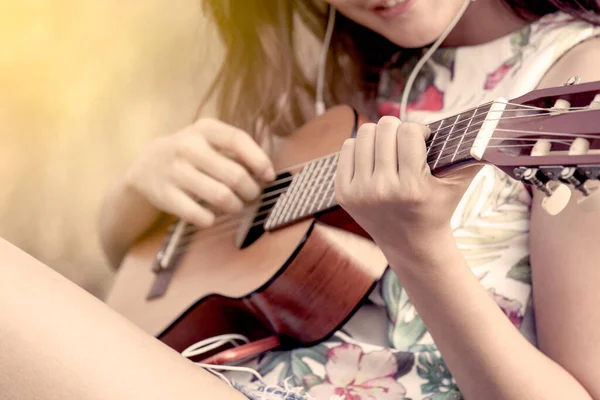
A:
(262, 86)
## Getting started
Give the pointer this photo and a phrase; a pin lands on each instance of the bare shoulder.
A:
(582, 60)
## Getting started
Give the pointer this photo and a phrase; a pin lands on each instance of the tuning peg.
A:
(578, 177)
(560, 106)
(558, 200)
(573, 175)
(541, 148)
(557, 194)
(595, 104)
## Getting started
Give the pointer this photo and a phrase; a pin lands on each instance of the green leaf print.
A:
(311, 380)
(407, 327)
(520, 39)
(513, 60)
(406, 334)
(445, 57)
(432, 368)
(270, 361)
(521, 271)
(317, 353)
(294, 368)
(391, 292)
(299, 370)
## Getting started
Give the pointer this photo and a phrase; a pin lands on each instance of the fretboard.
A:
(312, 189)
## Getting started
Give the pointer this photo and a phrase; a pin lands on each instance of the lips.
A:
(391, 8)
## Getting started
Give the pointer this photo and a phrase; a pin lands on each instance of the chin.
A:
(413, 40)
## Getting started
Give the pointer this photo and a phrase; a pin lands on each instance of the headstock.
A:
(550, 139)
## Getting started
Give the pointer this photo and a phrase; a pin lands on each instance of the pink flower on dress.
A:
(494, 78)
(359, 376)
(388, 108)
(432, 99)
(511, 307)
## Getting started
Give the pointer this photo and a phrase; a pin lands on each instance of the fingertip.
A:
(237, 206)
(269, 175)
(207, 220)
(427, 132)
(366, 128)
(412, 127)
(389, 119)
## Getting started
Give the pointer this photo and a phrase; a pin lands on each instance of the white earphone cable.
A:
(319, 100)
(425, 58)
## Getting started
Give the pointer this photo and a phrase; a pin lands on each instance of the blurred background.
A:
(83, 86)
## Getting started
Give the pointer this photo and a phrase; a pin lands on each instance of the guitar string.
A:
(232, 226)
(270, 194)
(573, 109)
(221, 231)
(432, 155)
(478, 124)
(327, 178)
(433, 145)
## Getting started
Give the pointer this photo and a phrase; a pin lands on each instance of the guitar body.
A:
(295, 277)
(298, 283)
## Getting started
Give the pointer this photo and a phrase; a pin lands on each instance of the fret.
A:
(284, 201)
(312, 182)
(322, 180)
(443, 126)
(465, 133)
(462, 130)
(331, 174)
(293, 202)
(312, 189)
(435, 129)
(330, 190)
(446, 141)
(473, 128)
(304, 192)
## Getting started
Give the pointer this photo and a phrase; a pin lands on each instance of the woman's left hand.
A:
(384, 182)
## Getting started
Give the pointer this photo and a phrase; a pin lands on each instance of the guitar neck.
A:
(312, 189)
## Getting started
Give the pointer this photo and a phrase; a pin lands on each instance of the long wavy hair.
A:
(262, 86)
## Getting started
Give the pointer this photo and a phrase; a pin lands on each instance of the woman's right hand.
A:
(206, 167)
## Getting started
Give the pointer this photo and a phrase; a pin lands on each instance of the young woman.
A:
(455, 309)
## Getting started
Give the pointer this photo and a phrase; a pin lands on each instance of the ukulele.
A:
(294, 267)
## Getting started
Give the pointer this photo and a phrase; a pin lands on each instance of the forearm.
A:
(487, 356)
(125, 215)
(57, 342)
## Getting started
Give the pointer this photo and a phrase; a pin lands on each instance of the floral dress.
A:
(491, 226)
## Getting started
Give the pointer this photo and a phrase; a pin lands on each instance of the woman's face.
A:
(407, 23)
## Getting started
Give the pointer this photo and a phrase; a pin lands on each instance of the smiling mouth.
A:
(388, 4)
(392, 8)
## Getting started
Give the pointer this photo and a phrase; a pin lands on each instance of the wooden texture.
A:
(300, 282)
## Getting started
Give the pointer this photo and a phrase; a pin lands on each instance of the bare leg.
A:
(58, 342)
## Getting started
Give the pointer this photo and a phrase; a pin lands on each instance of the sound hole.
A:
(269, 198)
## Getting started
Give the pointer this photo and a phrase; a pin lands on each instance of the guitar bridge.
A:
(167, 258)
